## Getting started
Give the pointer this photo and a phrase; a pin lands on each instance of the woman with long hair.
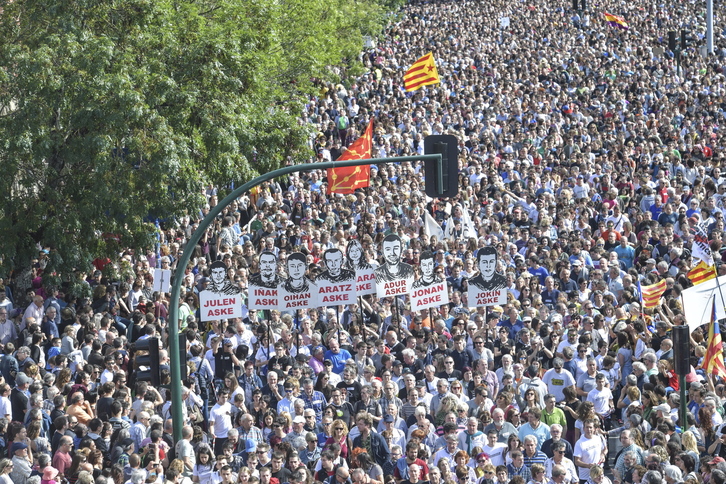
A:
(531, 401)
(513, 443)
(690, 446)
(625, 356)
(374, 471)
(339, 435)
(513, 416)
(585, 412)
(37, 443)
(449, 404)
(650, 401)
(705, 426)
(79, 463)
(204, 468)
(355, 256)
(687, 464)
(6, 466)
(231, 383)
(444, 466)
(323, 386)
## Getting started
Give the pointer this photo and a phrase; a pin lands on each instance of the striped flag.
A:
(615, 21)
(422, 73)
(702, 273)
(650, 295)
(713, 360)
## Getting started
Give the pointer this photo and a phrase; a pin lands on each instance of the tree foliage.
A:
(114, 112)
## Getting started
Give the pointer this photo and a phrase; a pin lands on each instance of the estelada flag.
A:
(713, 360)
(347, 178)
(701, 273)
(650, 295)
(422, 73)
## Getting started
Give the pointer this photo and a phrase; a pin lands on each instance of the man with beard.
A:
(268, 272)
(393, 269)
(334, 271)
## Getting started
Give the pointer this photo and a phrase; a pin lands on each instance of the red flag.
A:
(346, 179)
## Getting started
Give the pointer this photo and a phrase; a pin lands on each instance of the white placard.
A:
(261, 297)
(365, 282)
(162, 280)
(429, 296)
(334, 294)
(219, 306)
(298, 299)
(477, 298)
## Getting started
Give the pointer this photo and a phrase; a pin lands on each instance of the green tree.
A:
(112, 111)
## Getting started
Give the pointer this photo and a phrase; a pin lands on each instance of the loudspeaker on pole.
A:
(681, 349)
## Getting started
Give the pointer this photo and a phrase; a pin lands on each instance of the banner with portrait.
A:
(394, 277)
(336, 284)
(220, 299)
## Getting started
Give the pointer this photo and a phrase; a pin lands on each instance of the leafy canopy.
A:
(116, 112)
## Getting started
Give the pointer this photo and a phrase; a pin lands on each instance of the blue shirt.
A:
(541, 274)
(625, 254)
(338, 359)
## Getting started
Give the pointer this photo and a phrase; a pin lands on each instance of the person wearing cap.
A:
(19, 397)
(398, 436)
(296, 437)
(22, 463)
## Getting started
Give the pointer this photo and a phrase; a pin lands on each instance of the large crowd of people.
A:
(586, 161)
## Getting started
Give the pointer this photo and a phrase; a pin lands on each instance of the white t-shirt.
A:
(588, 451)
(221, 419)
(556, 382)
(5, 408)
(496, 453)
(601, 400)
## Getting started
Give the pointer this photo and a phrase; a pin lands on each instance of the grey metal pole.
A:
(709, 26)
(175, 367)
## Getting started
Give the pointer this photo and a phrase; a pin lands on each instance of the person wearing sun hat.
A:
(49, 475)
